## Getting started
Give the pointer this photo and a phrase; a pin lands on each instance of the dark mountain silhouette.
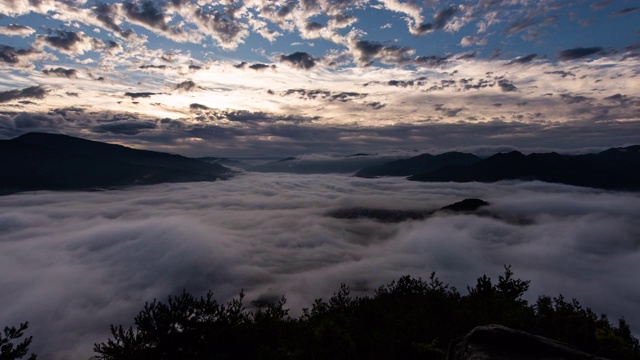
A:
(617, 169)
(39, 161)
(222, 161)
(466, 205)
(398, 215)
(418, 164)
(329, 165)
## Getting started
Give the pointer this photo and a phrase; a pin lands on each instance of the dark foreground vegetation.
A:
(13, 345)
(407, 319)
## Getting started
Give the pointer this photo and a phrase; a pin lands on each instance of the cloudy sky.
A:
(240, 78)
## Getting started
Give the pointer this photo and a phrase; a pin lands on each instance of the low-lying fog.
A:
(71, 263)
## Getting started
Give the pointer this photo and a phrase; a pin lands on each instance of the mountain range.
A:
(39, 161)
(418, 164)
(615, 168)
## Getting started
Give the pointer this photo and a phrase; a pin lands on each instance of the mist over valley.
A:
(80, 261)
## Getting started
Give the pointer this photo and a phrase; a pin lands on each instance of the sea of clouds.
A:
(72, 263)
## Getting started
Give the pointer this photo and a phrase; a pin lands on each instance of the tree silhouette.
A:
(11, 347)
(407, 319)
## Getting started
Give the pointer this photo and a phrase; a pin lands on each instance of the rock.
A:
(497, 342)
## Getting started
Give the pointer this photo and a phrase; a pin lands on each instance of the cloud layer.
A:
(80, 261)
(407, 64)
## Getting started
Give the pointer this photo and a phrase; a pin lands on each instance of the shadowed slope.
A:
(418, 164)
(38, 161)
(617, 168)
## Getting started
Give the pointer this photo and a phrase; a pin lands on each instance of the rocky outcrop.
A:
(497, 342)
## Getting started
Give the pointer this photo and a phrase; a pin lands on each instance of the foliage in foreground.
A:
(409, 319)
(11, 347)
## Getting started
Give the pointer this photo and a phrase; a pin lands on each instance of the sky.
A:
(79, 262)
(247, 78)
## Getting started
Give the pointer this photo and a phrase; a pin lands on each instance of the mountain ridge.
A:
(614, 168)
(43, 161)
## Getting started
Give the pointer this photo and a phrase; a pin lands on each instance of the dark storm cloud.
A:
(562, 73)
(313, 26)
(222, 26)
(261, 66)
(624, 100)
(155, 67)
(106, 253)
(342, 20)
(467, 56)
(61, 72)
(125, 127)
(25, 121)
(448, 112)
(11, 55)
(259, 117)
(106, 14)
(366, 52)
(421, 81)
(64, 40)
(577, 53)
(196, 106)
(135, 95)
(147, 12)
(170, 124)
(507, 86)
(286, 9)
(523, 59)
(472, 84)
(112, 45)
(571, 99)
(17, 30)
(308, 94)
(375, 105)
(35, 92)
(301, 60)
(431, 61)
(423, 28)
(625, 11)
(345, 96)
(64, 112)
(443, 16)
(187, 85)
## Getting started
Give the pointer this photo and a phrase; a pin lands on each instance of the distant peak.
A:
(510, 155)
(465, 205)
